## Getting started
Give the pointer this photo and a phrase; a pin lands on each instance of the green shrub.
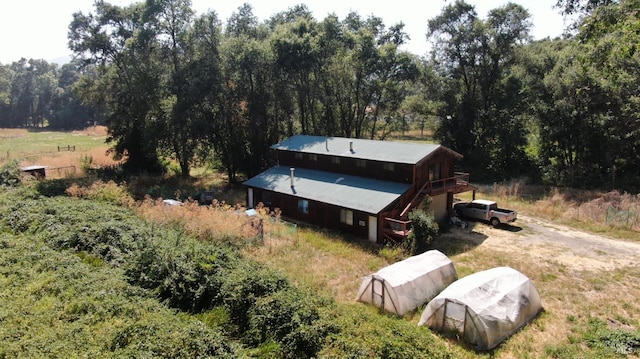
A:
(56, 306)
(10, 174)
(241, 289)
(307, 340)
(183, 282)
(111, 233)
(53, 187)
(276, 315)
(290, 317)
(424, 230)
(618, 341)
(365, 333)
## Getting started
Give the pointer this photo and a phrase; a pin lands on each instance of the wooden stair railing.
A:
(417, 198)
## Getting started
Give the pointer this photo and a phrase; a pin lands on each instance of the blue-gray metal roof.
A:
(385, 151)
(352, 192)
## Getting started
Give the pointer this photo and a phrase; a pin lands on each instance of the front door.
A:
(373, 229)
(250, 197)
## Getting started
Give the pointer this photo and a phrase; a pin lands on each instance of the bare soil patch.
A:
(547, 241)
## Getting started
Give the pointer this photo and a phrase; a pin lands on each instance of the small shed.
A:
(485, 307)
(408, 284)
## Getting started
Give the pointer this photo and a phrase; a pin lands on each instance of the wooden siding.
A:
(401, 172)
(319, 213)
(442, 157)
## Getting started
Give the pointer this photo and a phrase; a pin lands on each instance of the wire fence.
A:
(615, 210)
(272, 231)
(21, 155)
(280, 231)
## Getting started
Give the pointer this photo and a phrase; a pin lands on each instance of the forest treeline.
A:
(168, 82)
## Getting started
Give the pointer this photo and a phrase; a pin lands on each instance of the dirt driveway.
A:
(550, 241)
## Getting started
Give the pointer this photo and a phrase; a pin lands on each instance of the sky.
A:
(37, 29)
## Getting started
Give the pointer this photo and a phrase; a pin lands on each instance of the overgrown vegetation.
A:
(286, 293)
(424, 230)
(62, 304)
(246, 303)
(10, 174)
(605, 339)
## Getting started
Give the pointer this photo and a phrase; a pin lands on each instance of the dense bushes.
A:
(10, 174)
(109, 232)
(291, 317)
(183, 272)
(368, 334)
(425, 229)
(121, 267)
(54, 305)
(187, 276)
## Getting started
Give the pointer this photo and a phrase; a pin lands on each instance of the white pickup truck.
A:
(486, 211)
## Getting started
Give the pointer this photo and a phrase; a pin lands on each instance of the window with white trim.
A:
(346, 216)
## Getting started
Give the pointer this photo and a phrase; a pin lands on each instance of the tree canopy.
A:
(170, 83)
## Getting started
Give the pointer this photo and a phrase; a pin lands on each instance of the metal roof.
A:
(33, 168)
(385, 151)
(485, 202)
(352, 192)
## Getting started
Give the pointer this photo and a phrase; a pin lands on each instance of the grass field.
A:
(62, 152)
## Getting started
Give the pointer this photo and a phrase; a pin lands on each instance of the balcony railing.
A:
(398, 227)
(456, 184)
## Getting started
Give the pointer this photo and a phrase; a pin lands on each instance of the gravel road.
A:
(573, 248)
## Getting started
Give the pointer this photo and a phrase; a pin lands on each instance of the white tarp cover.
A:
(408, 284)
(485, 307)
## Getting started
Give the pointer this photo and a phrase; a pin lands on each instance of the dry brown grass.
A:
(64, 164)
(325, 262)
(218, 222)
(7, 133)
(93, 131)
(614, 213)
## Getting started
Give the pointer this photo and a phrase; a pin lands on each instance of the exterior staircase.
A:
(398, 221)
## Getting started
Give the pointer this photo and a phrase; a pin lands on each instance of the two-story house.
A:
(365, 187)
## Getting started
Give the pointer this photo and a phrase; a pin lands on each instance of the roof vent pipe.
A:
(351, 145)
(326, 143)
(292, 170)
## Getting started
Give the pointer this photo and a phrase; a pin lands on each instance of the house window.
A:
(335, 160)
(313, 157)
(266, 199)
(434, 171)
(346, 216)
(361, 163)
(298, 156)
(388, 166)
(303, 206)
